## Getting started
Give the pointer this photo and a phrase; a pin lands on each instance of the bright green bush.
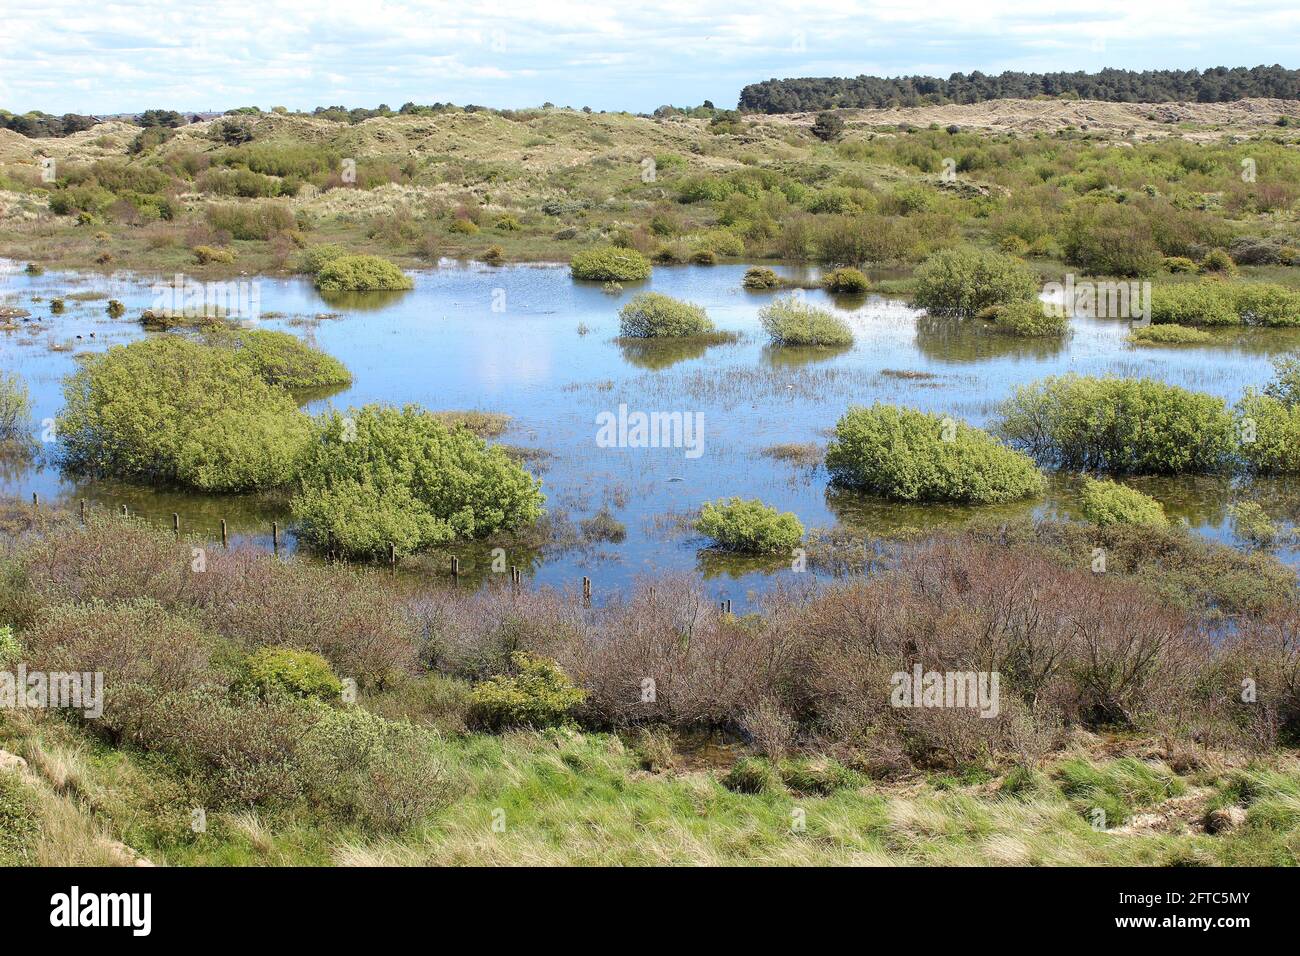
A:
(1107, 503)
(361, 274)
(720, 242)
(10, 649)
(652, 315)
(1029, 319)
(845, 280)
(260, 220)
(1168, 335)
(1111, 240)
(1269, 430)
(749, 526)
(752, 775)
(610, 264)
(281, 359)
(15, 410)
(1266, 303)
(1119, 425)
(314, 258)
(537, 693)
(380, 475)
(790, 321)
(1217, 260)
(286, 670)
(465, 227)
(1193, 303)
(964, 281)
(169, 410)
(909, 455)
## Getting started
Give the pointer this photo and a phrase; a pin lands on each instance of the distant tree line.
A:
(38, 125)
(1216, 85)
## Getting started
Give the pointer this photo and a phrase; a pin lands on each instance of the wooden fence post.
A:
(586, 592)
(225, 540)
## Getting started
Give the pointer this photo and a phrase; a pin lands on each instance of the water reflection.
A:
(952, 339)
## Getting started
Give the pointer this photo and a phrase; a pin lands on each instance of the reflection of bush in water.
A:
(885, 518)
(793, 356)
(951, 339)
(658, 354)
(362, 301)
(713, 563)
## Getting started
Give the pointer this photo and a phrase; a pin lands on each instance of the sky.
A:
(120, 57)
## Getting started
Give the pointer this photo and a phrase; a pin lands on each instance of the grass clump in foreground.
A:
(361, 274)
(789, 321)
(536, 693)
(909, 455)
(610, 264)
(1107, 502)
(172, 411)
(651, 315)
(749, 526)
(381, 475)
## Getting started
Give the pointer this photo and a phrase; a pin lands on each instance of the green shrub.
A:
(381, 475)
(1218, 261)
(1193, 303)
(20, 821)
(383, 774)
(1111, 240)
(761, 277)
(56, 306)
(508, 223)
(845, 280)
(1270, 435)
(720, 242)
(962, 282)
(251, 220)
(652, 315)
(1262, 303)
(1028, 319)
(1119, 425)
(1107, 503)
(909, 455)
(361, 274)
(115, 309)
(287, 670)
(789, 321)
(15, 410)
(281, 359)
(749, 526)
(466, 227)
(1116, 788)
(205, 254)
(1179, 265)
(1168, 335)
(536, 693)
(610, 264)
(165, 409)
(314, 258)
(816, 776)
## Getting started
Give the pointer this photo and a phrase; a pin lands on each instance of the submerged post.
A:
(83, 510)
(275, 536)
(392, 556)
(176, 525)
(36, 502)
(125, 513)
(225, 540)
(455, 569)
(586, 592)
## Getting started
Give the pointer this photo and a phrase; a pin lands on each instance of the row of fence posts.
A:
(516, 576)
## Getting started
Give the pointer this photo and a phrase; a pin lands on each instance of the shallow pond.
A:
(530, 342)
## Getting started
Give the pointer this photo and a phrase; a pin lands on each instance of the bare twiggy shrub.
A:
(772, 728)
